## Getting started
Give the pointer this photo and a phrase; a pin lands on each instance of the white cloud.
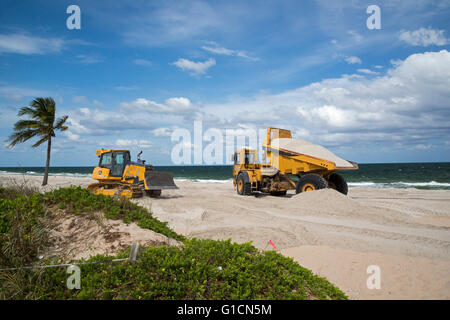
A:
(83, 100)
(178, 104)
(171, 22)
(75, 127)
(228, 52)
(353, 60)
(162, 132)
(407, 105)
(367, 71)
(79, 99)
(72, 136)
(85, 59)
(97, 103)
(355, 35)
(17, 93)
(128, 143)
(24, 44)
(142, 62)
(132, 116)
(195, 67)
(171, 105)
(424, 37)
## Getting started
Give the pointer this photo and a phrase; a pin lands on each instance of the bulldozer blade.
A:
(156, 180)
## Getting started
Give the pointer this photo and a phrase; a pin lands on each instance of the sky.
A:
(138, 71)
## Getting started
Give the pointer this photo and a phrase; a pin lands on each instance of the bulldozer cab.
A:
(115, 161)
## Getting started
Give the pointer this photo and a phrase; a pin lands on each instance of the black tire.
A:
(310, 182)
(338, 183)
(243, 188)
(278, 193)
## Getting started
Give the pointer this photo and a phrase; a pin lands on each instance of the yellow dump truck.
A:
(291, 165)
(117, 175)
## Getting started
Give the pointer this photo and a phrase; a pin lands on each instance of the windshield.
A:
(250, 158)
(119, 158)
(106, 159)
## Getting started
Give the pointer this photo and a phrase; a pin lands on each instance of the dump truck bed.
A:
(293, 147)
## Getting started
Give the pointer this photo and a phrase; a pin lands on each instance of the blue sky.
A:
(138, 70)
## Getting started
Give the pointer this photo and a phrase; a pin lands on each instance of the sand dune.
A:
(405, 232)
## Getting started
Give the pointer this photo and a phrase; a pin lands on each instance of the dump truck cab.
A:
(245, 158)
(245, 168)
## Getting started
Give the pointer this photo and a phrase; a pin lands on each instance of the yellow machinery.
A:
(278, 175)
(117, 175)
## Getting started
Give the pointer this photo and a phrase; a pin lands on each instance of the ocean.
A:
(431, 176)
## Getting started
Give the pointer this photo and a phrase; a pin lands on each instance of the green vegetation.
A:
(77, 200)
(198, 269)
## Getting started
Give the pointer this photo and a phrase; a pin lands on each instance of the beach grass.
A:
(196, 269)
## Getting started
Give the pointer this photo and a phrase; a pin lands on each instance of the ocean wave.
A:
(8, 172)
(33, 173)
(204, 180)
(399, 184)
(423, 184)
(213, 181)
(75, 175)
(362, 184)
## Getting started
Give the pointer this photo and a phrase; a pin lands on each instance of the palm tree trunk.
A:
(47, 165)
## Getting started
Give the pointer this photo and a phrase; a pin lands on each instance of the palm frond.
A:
(40, 141)
(26, 124)
(45, 109)
(21, 136)
(27, 111)
(60, 123)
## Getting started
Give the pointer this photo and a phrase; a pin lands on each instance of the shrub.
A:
(77, 200)
(198, 269)
(201, 269)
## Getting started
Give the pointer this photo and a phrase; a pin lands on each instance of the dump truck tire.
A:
(243, 187)
(338, 183)
(311, 182)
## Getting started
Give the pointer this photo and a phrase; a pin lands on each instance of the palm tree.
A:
(42, 124)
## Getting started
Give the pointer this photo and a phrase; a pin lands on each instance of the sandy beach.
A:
(406, 232)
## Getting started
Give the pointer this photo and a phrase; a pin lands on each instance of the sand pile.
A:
(307, 148)
(326, 201)
(75, 237)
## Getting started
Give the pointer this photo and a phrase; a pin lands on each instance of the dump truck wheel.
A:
(243, 187)
(338, 183)
(310, 182)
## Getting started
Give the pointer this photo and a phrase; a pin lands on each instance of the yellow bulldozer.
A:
(117, 175)
(292, 165)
